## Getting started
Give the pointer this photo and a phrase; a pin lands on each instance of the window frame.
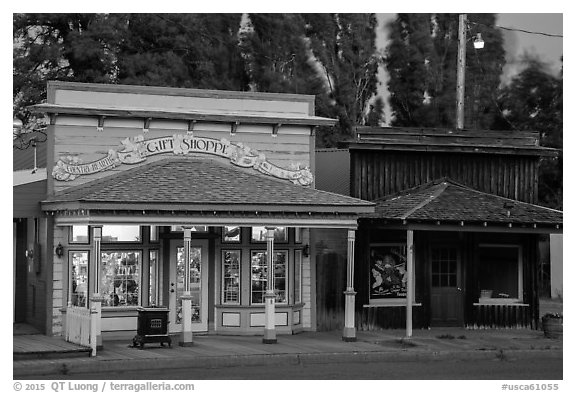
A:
(520, 294)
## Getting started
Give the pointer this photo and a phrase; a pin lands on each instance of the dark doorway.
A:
(446, 288)
(20, 270)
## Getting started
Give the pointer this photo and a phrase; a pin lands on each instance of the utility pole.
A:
(461, 71)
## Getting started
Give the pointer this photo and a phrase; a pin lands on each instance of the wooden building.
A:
(453, 240)
(200, 201)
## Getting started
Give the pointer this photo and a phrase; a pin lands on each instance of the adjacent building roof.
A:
(447, 202)
(450, 140)
(201, 187)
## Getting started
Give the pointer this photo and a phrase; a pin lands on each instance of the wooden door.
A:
(446, 287)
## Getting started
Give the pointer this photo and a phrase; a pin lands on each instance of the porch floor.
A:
(37, 346)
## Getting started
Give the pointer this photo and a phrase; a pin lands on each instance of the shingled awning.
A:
(447, 205)
(201, 191)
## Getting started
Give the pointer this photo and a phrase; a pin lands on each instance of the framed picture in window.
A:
(388, 275)
(231, 234)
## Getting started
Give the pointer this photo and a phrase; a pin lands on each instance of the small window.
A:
(78, 278)
(298, 235)
(120, 278)
(280, 234)
(231, 276)
(231, 234)
(260, 278)
(121, 233)
(154, 230)
(79, 234)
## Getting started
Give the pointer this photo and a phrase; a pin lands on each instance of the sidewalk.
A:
(308, 347)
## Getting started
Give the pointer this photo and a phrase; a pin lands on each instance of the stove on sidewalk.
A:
(152, 327)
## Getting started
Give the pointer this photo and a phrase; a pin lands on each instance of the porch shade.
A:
(446, 202)
(201, 191)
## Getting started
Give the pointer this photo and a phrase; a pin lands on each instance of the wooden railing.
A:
(82, 325)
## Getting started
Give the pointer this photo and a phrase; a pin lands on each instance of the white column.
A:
(349, 332)
(410, 283)
(269, 297)
(96, 299)
(186, 338)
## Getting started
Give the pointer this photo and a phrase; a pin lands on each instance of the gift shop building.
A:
(199, 201)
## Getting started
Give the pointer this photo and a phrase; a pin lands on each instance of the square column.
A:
(410, 283)
(96, 299)
(349, 332)
(186, 337)
(269, 296)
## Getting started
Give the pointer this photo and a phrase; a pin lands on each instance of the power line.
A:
(520, 30)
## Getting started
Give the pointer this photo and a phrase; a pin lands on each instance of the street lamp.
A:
(478, 44)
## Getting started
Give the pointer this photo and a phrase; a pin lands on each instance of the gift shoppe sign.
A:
(136, 149)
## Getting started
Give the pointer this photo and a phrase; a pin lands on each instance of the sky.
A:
(516, 44)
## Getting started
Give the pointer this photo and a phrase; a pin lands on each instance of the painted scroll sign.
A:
(136, 149)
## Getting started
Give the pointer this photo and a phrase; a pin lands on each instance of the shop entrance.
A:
(446, 287)
(198, 284)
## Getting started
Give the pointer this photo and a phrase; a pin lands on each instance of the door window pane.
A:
(444, 267)
(153, 298)
(195, 282)
(79, 278)
(120, 278)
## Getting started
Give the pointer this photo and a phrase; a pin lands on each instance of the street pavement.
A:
(210, 351)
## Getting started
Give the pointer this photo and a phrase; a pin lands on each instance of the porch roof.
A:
(445, 201)
(182, 190)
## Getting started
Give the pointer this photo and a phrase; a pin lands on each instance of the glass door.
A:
(198, 284)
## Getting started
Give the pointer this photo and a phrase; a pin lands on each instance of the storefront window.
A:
(121, 233)
(79, 234)
(500, 273)
(120, 278)
(231, 234)
(153, 299)
(388, 276)
(231, 276)
(78, 278)
(280, 234)
(297, 276)
(260, 278)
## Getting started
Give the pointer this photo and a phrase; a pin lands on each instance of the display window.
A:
(231, 276)
(500, 273)
(259, 276)
(78, 288)
(388, 275)
(120, 278)
(297, 276)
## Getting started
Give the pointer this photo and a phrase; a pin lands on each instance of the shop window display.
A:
(79, 278)
(500, 273)
(120, 278)
(231, 276)
(260, 277)
(388, 276)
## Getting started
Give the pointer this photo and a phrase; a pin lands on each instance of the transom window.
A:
(280, 234)
(121, 233)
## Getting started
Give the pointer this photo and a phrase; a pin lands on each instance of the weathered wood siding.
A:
(379, 173)
(27, 199)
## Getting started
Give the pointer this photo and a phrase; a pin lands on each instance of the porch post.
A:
(349, 332)
(269, 296)
(96, 299)
(186, 338)
(410, 283)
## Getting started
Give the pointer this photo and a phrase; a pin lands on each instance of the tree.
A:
(533, 100)
(345, 47)
(421, 60)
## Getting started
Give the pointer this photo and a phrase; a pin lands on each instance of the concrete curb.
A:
(66, 367)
